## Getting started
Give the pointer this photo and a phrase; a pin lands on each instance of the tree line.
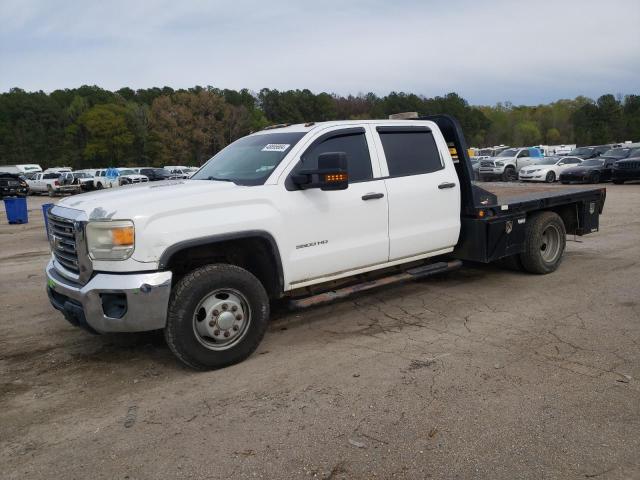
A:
(93, 127)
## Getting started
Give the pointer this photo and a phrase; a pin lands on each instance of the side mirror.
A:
(330, 175)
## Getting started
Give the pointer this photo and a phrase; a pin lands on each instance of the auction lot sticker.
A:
(276, 147)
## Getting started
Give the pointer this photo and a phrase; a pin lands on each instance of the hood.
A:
(629, 159)
(147, 199)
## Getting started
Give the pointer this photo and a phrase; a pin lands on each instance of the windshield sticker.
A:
(276, 147)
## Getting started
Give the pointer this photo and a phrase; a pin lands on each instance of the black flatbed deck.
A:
(513, 195)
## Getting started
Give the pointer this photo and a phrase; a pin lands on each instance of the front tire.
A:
(218, 314)
(551, 177)
(595, 178)
(509, 175)
(545, 241)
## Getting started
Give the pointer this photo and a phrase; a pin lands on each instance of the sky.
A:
(525, 52)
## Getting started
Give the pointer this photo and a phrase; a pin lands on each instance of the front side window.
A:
(249, 160)
(410, 151)
(524, 153)
(353, 145)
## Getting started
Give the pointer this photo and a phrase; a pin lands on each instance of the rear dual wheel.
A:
(545, 241)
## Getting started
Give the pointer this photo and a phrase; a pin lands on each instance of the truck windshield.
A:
(249, 160)
(509, 152)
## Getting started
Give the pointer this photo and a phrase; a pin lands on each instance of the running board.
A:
(411, 274)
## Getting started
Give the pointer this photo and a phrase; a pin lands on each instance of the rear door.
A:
(423, 190)
(330, 233)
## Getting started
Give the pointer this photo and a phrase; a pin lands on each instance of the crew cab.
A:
(506, 165)
(304, 214)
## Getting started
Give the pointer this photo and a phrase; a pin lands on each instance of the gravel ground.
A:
(482, 373)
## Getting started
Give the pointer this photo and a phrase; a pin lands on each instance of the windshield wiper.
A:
(219, 179)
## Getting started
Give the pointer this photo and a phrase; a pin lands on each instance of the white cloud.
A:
(526, 52)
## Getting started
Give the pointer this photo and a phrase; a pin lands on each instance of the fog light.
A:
(114, 305)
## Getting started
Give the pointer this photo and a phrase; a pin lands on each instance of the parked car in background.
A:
(621, 153)
(106, 178)
(548, 169)
(22, 169)
(13, 184)
(156, 174)
(589, 152)
(593, 170)
(128, 176)
(52, 183)
(627, 169)
(84, 179)
(506, 165)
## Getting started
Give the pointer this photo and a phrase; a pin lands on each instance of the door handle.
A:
(372, 196)
(446, 185)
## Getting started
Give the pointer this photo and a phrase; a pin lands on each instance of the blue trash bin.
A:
(45, 213)
(16, 208)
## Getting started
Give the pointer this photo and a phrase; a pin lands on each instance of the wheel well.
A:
(569, 216)
(255, 254)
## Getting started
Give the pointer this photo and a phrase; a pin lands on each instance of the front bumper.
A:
(532, 178)
(626, 174)
(145, 297)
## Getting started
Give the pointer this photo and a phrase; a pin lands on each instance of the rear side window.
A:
(356, 148)
(410, 152)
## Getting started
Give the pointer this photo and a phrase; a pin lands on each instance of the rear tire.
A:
(545, 241)
(206, 295)
(550, 178)
(595, 178)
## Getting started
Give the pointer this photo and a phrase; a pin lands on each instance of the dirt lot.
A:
(482, 373)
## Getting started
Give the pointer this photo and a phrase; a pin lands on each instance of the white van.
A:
(21, 169)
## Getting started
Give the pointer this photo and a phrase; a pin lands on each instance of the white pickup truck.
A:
(52, 183)
(307, 213)
(506, 165)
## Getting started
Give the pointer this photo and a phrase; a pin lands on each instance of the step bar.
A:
(411, 274)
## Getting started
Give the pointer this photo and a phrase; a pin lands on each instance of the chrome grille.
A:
(62, 239)
(486, 163)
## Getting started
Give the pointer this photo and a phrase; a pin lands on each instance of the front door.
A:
(333, 232)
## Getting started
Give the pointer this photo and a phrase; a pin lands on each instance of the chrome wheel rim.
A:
(550, 245)
(222, 319)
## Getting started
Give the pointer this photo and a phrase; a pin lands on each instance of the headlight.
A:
(111, 240)
(499, 164)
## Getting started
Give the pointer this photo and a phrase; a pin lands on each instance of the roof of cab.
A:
(307, 127)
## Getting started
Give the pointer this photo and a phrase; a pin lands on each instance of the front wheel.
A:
(545, 241)
(595, 178)
(551, 177)
(218, 315)
(509, 174)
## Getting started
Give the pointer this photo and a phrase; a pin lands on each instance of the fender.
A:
(171, 250)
